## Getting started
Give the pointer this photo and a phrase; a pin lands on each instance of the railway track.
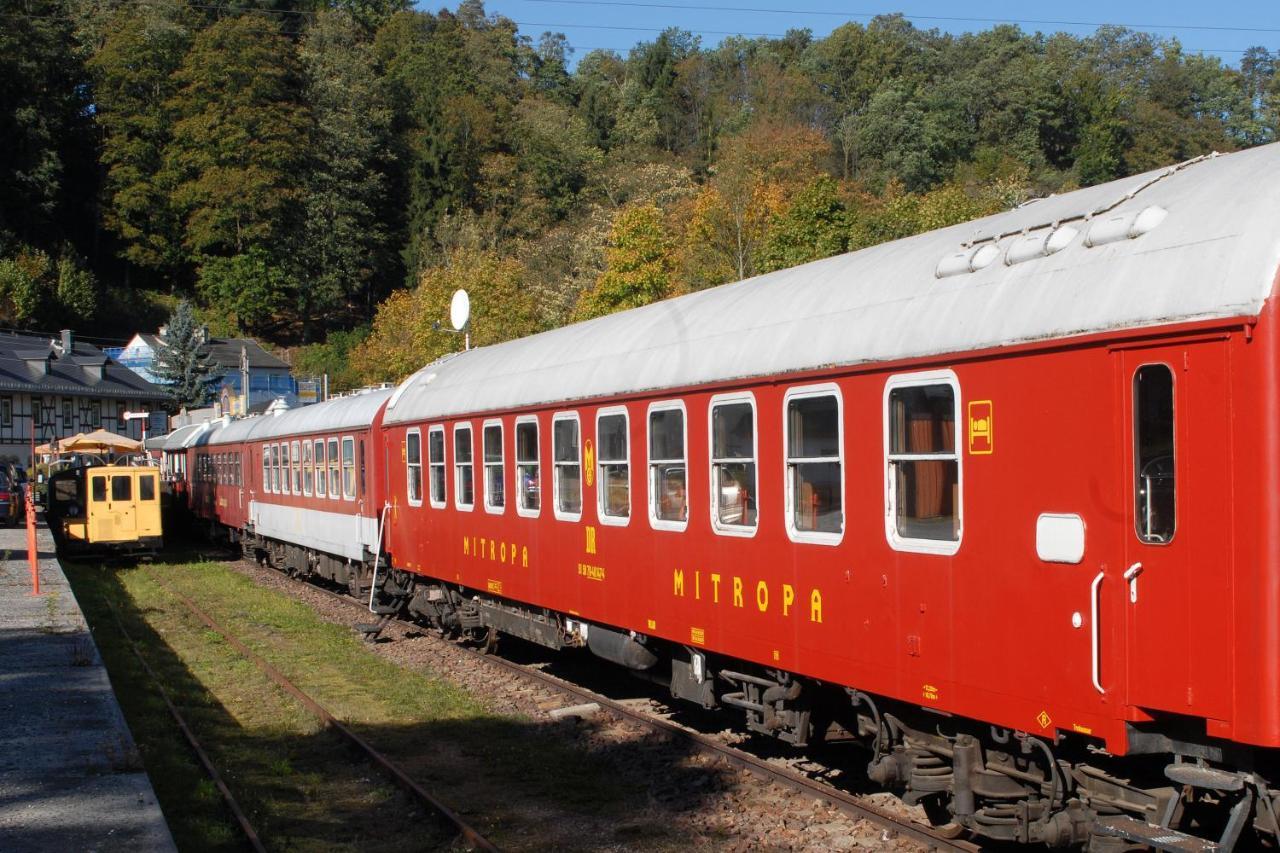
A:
(851, 804)
(467, 834)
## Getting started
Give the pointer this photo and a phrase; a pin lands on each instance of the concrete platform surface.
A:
(70, 776)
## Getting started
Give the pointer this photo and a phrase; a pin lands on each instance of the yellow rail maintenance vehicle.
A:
(106, 509)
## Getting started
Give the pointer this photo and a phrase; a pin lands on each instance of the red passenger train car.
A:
(1001, 500)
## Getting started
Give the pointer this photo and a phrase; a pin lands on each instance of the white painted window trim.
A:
(555, 473)
(295, 465)
(343, 470)
(941, 547)
(613, 520)
(457, 489)
(332, 460)
(501, 465)
(266, 468)
(443, 463)
(320, 468)
(826, 389)
(307, 468)
(743, 530)
(282, 457)
(521, 510)
(651, 493)
(408, 467)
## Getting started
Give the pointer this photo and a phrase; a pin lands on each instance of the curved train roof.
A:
(1209, 247)
(342, 413)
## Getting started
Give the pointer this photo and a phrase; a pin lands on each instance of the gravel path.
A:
(736, 810)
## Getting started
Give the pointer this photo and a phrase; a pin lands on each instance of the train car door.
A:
(122, 506)
(102, 527)
(1175, 588)
(147, 521)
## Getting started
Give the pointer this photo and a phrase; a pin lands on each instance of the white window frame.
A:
(266, 468)
(277, 482)
(284, 469)
(308, 469)
(295, 465)
(815, 537)
(333, 463)
(651, 496)
(320, 468)
(408, 467)
(555, 474)
(521, 510)
(601, 516)
(501, 465)
(457, 492)
(343, 460)
(737, 397)
(896, 541)
(444, 463)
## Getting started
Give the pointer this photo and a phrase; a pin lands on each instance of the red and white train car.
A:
(1002, 499)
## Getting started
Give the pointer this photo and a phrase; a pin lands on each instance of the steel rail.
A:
(250, 834)
(850, 804)
(469, 834)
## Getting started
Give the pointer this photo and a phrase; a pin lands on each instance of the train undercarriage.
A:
(1176, 790)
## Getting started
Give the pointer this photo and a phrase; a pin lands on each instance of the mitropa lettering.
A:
(734, 591)
(495, 551)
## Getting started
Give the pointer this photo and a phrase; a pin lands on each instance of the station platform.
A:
(70, 777)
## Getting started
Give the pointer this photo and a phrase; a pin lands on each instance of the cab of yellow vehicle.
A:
(106, 508)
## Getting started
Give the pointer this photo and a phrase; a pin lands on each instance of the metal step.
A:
(1198, 776)
(1158, 837)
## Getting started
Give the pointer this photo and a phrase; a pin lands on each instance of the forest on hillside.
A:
(323, 174)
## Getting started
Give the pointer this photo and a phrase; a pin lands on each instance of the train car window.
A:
(1153, 454)
(334, 474)
(239, 468)
(413, 465)
(733, 465)
(121, 487)
(668, 467)
(98, 488)
(923, 480)
(318, 459)
(266, 467)
(528, 471)
(146, 488)
(494, 473)
(284, 468)
(814, 438)
(464, 471)
(362, 466)
(613, 497)
(566, 452)
(348, 468)
(308, 471)
(295, 461)
(275, 469)
(435, 458)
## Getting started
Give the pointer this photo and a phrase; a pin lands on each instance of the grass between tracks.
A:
(302, 787)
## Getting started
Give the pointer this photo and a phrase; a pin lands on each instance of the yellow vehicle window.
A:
(121, 488)
(146, 488)
(99, 488)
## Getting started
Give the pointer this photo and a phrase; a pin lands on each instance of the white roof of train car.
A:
(1214, 255)
(342, 413)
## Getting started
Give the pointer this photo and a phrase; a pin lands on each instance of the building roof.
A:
(1196, 241)
(34, 364)
(225, 352)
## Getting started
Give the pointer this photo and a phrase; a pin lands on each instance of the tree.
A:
(133, 72)
(239, 142)
(813, 226)
(179, 364)
(639, 267)
(410, 328)
(344, 255)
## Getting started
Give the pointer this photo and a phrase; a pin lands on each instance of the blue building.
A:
(269, 377)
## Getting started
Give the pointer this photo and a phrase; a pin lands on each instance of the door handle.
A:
(1097, 631)
(1131, 575)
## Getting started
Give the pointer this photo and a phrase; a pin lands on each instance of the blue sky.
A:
(1223, 29)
